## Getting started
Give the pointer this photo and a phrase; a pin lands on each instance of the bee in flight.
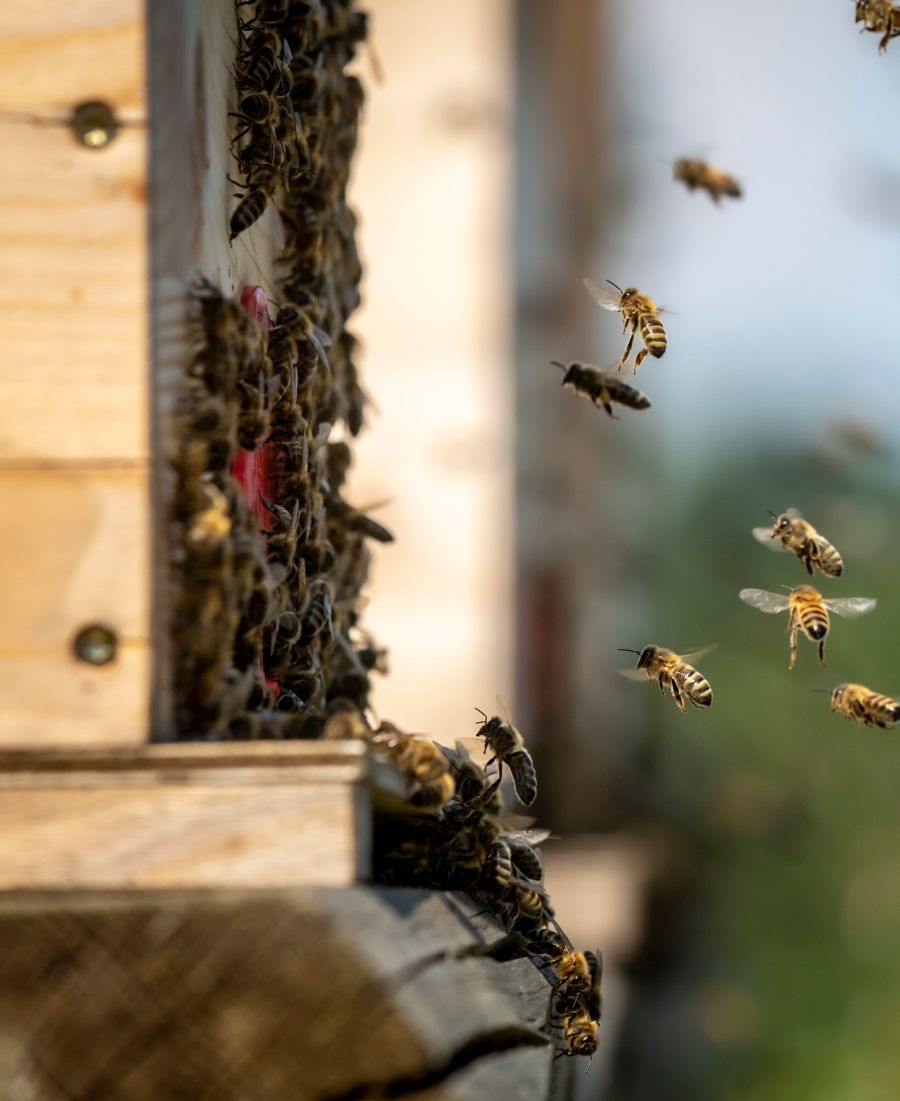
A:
(880, 16)
(715, 182)
(791, 532)
(862, 705)
(672, 672)
(602, 387)
(808, 612)
(640, 313)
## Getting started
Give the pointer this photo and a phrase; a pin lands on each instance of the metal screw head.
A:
(95, 644)
(94, 125)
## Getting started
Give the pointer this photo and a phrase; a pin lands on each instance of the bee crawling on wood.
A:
(698, 174)
(260, 187)
(602, 387)
(640, 314)
(808, 612)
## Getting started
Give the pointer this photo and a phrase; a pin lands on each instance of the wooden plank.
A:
(73, 549)
(73, 285)
(190, 816)
(309, 995)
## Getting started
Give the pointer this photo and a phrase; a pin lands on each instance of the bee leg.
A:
(607, 405)
(821, 649)
(639, 359)
(678, 698)
(793, 648)
(627, 351)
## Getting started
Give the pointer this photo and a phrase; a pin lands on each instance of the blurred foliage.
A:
(794, 810)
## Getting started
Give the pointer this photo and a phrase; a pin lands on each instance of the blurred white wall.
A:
(432, 189)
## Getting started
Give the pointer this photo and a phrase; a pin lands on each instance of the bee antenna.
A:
(483, 716)
(556, 363)
(771, 513)
(625, 650)
(616, 285)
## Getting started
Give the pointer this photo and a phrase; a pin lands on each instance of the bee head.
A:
(781, 523)
(571, 371)
(837, 695)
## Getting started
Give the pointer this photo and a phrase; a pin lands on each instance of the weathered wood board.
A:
(260, 814)
(305, 995)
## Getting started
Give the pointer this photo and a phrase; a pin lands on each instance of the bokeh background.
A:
(739, 867)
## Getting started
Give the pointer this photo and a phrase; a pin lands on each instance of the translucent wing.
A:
(851, 606)
(605, 297)
(764, 600)
(697, 653)
(793, 513)
(529, 836)
(633, 674)
(764, 536)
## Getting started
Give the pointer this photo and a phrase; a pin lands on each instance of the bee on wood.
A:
(211, 524)
(523, 851)
(430, 782)
(862, 705)
(264, 64)
(715, 182)
(580, 1033)
(578, 977)
(527, 905)
(601, 387)
(253, 422)
(790, 532)
(508, 748)
(354, 520)
(282, 539)
(258, 190)
(672, 673)
(808, 612)
(640, 314)
(881, 17)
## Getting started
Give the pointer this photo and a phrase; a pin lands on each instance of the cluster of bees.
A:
(880, 17)
(266, 621)
(452, 835)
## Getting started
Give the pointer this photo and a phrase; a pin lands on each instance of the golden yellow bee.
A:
(640, 313)
(672, 672)
(880, 16)
(602, 387)
(862, 705)
(791, 532)
(715, 182)
(808, 612)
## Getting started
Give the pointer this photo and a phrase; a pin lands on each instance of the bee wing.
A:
(698, 653)
(530, 837)
(851, 606)
(605, 297)
(764, 536)
(793, 513)
(633, 674)
(764, 600)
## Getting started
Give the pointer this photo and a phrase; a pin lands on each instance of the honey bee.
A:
(580, 1032)
(253, 203)
(426, 768)
(356, 521)
(640, 313)
(579, 976)
(880, 16)
(523, 850)
(508, 748)
(672, 672)
(792, 533)
(862, 705)
(211, 524)
(715, 182)
(808, 612)
(601, 387)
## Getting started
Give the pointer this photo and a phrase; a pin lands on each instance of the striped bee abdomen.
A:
(694, 685)
(827, 558)
(814, 622)
(653, 334)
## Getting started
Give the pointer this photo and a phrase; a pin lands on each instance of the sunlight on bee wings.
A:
(764, 600)
(764, 536)
(851, 606)
(699, 652)
(605, 297)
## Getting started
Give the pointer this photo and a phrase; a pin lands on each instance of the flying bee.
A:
(715, 182)
(791, 532)
(508, 748)
(808, 612)
(880, 16)
(671, 671)
(602, 387)
(640, 314)
(862, 705)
